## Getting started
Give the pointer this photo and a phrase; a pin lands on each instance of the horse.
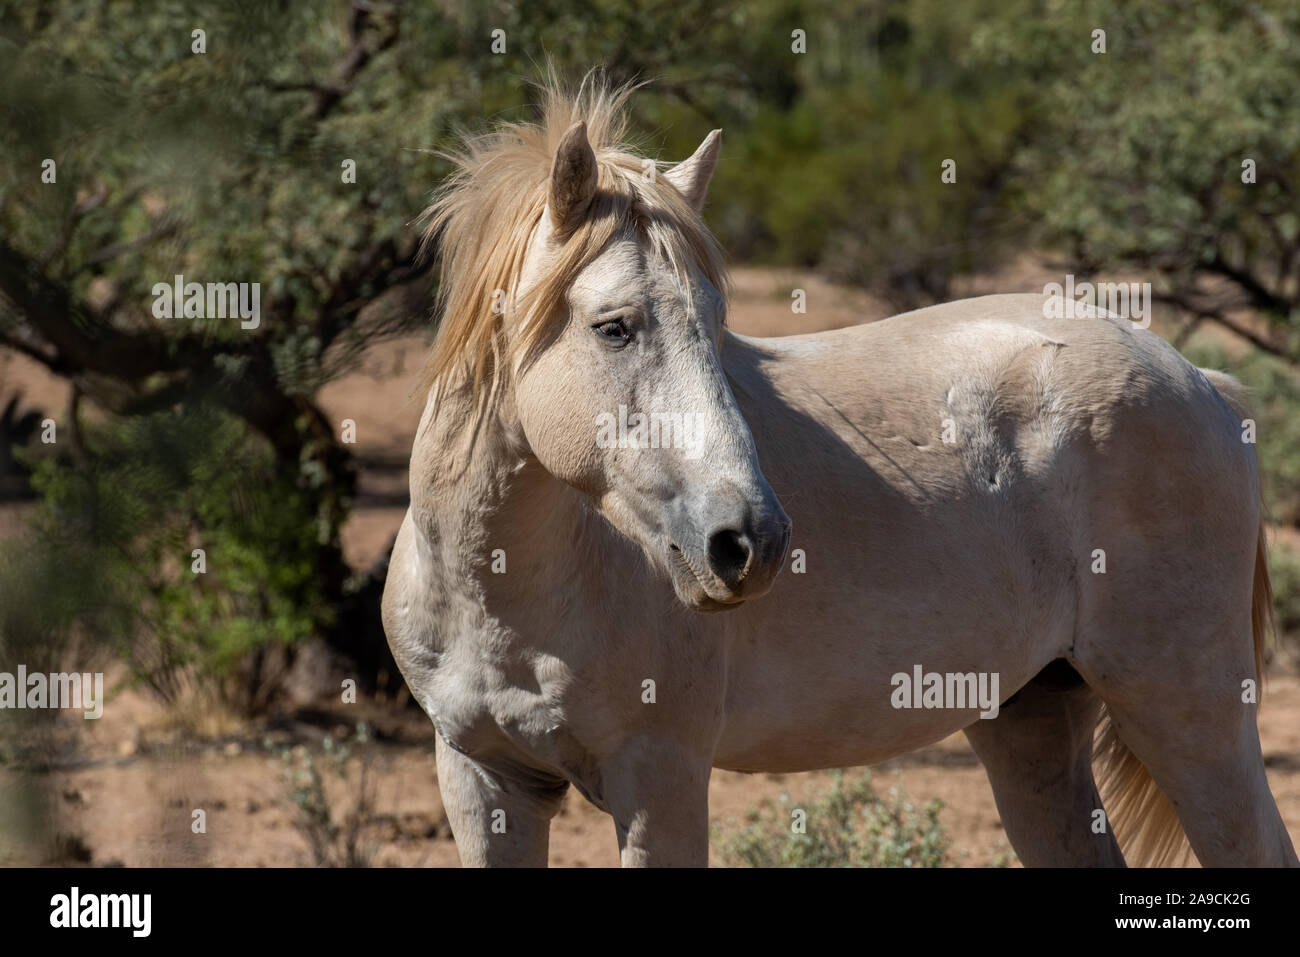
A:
(1063, 506)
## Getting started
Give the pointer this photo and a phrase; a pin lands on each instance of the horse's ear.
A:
(573, 179)
(691, 176)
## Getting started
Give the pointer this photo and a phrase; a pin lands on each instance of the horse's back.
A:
(993, 375)
(989, 399)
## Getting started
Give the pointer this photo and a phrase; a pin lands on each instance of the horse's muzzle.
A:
(738, 560)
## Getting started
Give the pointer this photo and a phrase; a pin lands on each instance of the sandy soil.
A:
(124, 790)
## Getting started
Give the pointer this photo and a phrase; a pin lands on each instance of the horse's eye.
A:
(613, 329)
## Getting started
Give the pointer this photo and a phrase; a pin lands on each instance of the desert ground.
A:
(123, 790)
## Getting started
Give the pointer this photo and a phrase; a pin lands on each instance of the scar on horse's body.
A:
(952, 482)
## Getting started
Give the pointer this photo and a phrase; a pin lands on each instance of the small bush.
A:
(851, 826)
(333, 842)
(112, 549)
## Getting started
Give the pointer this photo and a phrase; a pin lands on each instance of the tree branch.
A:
(78, 338)
(1215, 314)
(1260, 295)
(325, 96)
(116, 249)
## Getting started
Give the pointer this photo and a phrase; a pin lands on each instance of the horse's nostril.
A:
(729, 555)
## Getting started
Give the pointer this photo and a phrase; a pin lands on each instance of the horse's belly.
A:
(878, 674)
(863, 717)
(810, 747)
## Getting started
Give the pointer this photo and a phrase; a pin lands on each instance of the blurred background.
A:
(142, 140)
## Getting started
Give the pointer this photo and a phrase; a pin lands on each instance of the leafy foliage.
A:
(1140, 155)
(850, 826)
(192, 481)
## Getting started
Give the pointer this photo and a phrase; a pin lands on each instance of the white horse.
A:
(1063, 507)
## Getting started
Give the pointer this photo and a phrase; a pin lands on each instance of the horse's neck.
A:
(504, 532)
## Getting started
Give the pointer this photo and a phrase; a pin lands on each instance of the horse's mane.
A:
(486, 210)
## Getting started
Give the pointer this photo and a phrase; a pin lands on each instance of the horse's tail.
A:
(1145, 825)
(1149, 831)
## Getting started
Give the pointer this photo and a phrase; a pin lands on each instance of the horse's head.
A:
(612, 321)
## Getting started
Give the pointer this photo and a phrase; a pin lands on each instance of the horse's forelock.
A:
(484, 214)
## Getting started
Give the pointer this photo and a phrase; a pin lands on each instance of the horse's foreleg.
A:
(658, 795)
(497, 821)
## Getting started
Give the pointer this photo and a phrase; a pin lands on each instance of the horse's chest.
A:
(482, 708)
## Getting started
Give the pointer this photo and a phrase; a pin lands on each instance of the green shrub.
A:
(333, 842)
(115, 537)
(850, 826)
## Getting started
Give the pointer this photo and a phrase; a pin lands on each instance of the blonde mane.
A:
(485, 212)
